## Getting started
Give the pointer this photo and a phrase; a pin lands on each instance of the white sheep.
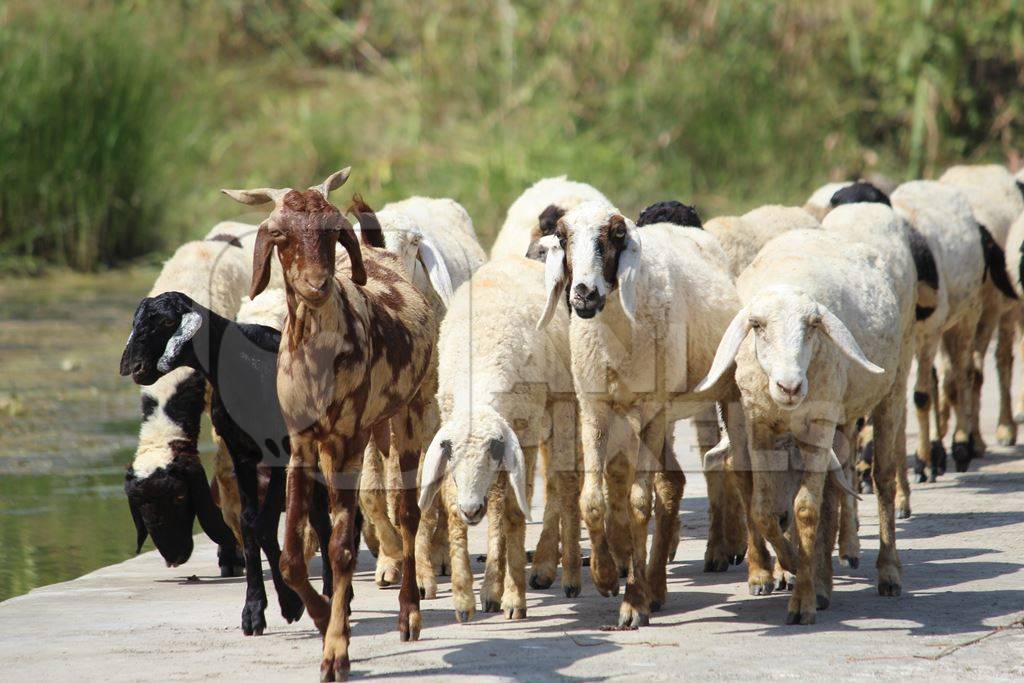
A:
(996, 201)
(650, 307)
(505, 394)
(215, 274)
(524, 222)
(743, 236)
(832, 313)
(437, 244)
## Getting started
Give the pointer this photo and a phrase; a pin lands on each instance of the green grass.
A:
(726, 103)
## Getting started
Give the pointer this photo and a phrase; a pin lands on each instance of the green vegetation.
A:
(120, 120)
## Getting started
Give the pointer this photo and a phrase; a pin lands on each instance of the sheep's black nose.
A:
(585, 294)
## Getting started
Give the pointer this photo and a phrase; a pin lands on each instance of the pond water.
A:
(68, 425)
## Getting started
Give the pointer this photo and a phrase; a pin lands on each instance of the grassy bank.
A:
(139, 114)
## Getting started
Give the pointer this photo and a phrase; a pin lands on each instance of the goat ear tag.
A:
(190, 324)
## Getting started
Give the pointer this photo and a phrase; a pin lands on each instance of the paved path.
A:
(961, 614)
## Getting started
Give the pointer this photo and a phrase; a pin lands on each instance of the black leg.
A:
(320, 520)
(266, 525)
(228, 560)
(254, 620)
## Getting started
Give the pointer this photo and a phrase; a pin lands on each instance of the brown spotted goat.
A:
(357, 345)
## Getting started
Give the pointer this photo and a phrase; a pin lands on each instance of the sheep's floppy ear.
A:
(834, 328)
(629, 268)
(435, 462)
(727, 349)
(140, 526)
(261, 254)
(437, 271)
(187, 328)
(333, 181)
(515, 464)
(257, 195)
(554, 276)
(210, 517)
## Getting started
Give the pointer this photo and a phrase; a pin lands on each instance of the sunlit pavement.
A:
(960, 613)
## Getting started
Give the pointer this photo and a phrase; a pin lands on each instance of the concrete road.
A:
(961, 614)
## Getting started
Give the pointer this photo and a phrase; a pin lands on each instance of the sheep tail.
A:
(995, 262)
(370, 232)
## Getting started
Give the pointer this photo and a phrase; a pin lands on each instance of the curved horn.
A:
(333, 181)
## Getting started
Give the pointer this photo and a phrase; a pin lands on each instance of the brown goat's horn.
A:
(370, 231)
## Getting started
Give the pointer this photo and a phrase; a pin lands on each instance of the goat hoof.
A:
(409, 628)
(851, 561)
(541, 582)
(463, 616)
(515, 613)
(889, 589)
(716, 565)
(798, 618)
(490, 606)
(571, 591)
(822, 602)
(336, 670)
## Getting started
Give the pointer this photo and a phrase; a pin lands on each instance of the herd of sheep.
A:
(402, 388)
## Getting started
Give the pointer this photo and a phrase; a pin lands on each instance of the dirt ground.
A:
(961, 614)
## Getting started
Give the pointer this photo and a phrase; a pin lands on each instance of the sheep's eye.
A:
(168, 323)
(757, 324)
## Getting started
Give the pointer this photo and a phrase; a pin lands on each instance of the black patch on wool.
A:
(224, 237)
(185, 406)
(548, 219)
(921, 399)
(995, 262)
(670, 211)
(149, 405)
(859, 192)
(924, 263)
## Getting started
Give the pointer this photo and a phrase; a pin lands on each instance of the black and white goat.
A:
(239, 360)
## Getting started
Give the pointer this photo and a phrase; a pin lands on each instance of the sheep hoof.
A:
(933, 476)
(785, 581)
(515, 613)
(823, 602)
(541, 582)
(737, 559)
(902, 512)
(463, 616)
(631, 618)
(490, 606)
(336, 670)
(1005, 436)
(851, 561)
(444, 569)
(761, 587)
(938, 456)
(571, 591)
(889, 589)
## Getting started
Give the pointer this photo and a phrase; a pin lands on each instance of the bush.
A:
(84, 117)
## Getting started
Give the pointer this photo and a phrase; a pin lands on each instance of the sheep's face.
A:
(474, 451)
(160, 328)
(403, 238)
(304, 228)
(161, 506)
(784, 325)
(594, 250)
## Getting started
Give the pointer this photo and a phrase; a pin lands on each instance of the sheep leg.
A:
(976, 447)
(1006, 432)
(962, 373)
(373, 500)
(341, 460)
(927, 349)
(808, 508)
(668, 483)
(462, 572)
(884, 466)
(849, 540)
(627, 535)
(723, 547)
(439, 544)
(293, 559)
(492, 590)
(254, 620)
(828, 528)
(545, 558)
(902, 479)
(1019, 415)
(594, 425)
(266, 531)
(513, 523)
(320, 520)
(407, 443)
(426, 573)
(766, 466)
(369, 532)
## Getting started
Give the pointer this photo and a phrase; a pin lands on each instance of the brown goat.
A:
(356, 348)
